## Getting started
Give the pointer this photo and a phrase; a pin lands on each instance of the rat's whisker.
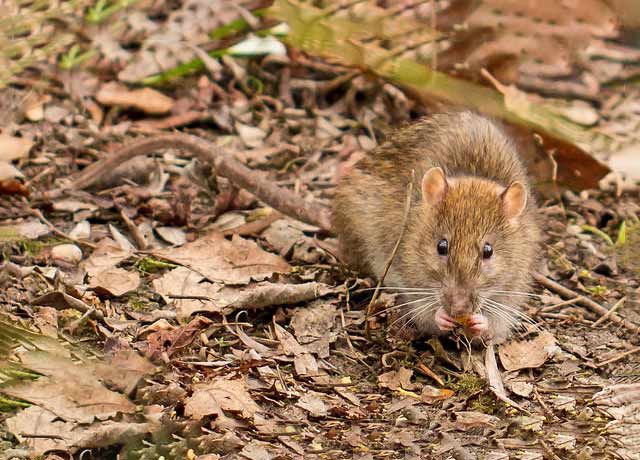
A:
(514, 293)
(417, 313)
(404, 304)
(413, 313)
(512, 311)
(396, 307)
(503, 313)
(398, 288)
(500, 314)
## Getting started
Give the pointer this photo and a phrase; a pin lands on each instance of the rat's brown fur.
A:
(479, 162)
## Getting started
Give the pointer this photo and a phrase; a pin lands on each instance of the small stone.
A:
(67, 253)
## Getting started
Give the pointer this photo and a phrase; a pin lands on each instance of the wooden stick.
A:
(567, 293)
(613, 309)
(225, 165)
(619, 357)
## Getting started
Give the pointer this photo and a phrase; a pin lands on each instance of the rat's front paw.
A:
(444, 321)
(478, 325)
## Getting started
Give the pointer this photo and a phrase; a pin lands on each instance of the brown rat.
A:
(471, 236)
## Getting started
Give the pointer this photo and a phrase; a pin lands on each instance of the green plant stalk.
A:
(148, 265)
(596, 231)
(100, 11)
(11, 404)
(622, 234)
(183, 70)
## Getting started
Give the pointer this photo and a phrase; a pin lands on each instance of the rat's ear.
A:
(434, 186)
(514, 200)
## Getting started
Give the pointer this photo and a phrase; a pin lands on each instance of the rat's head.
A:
(467, 242)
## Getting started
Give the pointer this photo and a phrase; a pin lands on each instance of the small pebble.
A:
(67, 253)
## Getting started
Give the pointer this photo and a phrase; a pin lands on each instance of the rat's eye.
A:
(443, 247)
(487, 251)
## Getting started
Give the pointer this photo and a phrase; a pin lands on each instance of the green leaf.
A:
(622, 234)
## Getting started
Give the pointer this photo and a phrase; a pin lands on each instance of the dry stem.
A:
(376, 293)
(225, 165)
(567, 293)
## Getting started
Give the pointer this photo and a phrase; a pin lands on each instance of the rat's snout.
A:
(458, 301)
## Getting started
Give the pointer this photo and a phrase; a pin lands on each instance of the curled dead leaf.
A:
(466, 420)
(115, 281)
(525, 354)
(233, 262)
(145, 99)
(431, 394)
(394, 380)
(230, 395)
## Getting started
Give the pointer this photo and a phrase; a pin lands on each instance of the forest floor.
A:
(212, 326)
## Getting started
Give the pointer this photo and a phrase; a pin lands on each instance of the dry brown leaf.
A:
(115, 281)
(490, 369)
(402, 437)
(313, 403)
(174, 43)
(108, 254)
(168, 340)
(14, 148)
(30, 229)
(432, 394)
(266, 294)
(69, 390)
(304, 362)
(314, 327)
(306, 365)
(282, 236)
(394, 380)
(146, 100)
(124, 370)
(257, 450)
(526, 354)
(182, 281)
(233, 262)
(73, 205)
(618, 395)
(288, 344)
(523, 389)
(466, 420)
(221, 395)
(42, 431)
(122, 240)
(175, 236)
(102, 271)
(67, 253)
(215, 297)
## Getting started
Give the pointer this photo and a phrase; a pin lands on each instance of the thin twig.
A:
(567, 293)
(54, 229)
(611, 311)
(135, 231)
(428, 372)
(619, 357)
(561, 304)
(376, 294)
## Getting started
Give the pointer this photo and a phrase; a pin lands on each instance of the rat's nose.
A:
(459, 302)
